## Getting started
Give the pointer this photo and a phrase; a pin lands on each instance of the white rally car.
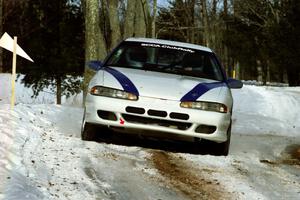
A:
(173, 89)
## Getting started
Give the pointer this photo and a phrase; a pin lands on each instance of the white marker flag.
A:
(8, 43)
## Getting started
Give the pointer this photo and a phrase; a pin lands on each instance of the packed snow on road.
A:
(43, 157)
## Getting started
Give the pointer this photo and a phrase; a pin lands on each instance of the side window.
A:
(116, 56)
(208, 67)
(216, 70)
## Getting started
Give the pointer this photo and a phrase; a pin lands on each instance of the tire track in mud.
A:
(293, 155)
(180, 176)
(290, 156)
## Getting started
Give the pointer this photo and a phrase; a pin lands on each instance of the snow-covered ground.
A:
(43, 157)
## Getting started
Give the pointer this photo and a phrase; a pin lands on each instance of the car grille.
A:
(135, 110)
(157, 122)
(157, 113)
(181, 116)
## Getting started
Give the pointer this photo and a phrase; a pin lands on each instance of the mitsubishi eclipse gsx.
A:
(174, 89)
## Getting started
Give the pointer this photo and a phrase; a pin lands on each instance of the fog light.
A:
(206, 129)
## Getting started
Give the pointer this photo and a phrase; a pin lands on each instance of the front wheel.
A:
(88, 132)
(214, 148)
(222, 149)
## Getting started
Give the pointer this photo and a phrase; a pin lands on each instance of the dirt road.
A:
(185, 178)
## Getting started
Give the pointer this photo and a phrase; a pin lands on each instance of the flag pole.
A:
(13, 77)
(11, 44)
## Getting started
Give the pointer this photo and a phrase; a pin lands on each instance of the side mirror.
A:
(95, 65)
(234, 84)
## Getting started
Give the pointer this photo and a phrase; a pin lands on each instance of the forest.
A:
(255, 40)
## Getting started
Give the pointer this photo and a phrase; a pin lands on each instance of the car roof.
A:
(169, 42)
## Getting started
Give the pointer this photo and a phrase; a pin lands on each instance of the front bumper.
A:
(165, 116)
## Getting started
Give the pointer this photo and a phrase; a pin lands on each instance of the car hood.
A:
(158, 85)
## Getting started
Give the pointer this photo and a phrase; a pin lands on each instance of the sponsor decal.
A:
(201, 89)
(167, 47)
(125, 82)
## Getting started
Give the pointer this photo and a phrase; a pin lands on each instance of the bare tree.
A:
(129, 18)
(114, 22)
(95, 45)
(140, 19)
(225, 3)
(205, 23)
(153, 19)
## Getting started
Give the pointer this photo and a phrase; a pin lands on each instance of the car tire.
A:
(88, 132)
(214, 148)
(222, 149)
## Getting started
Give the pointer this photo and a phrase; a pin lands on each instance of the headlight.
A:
(203, 105)
(114, 93)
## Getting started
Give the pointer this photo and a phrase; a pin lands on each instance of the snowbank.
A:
(267, 110)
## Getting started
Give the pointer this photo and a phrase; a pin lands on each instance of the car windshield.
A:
(166, 59)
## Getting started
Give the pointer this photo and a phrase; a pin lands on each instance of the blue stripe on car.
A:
(200, 89)
(125, 82)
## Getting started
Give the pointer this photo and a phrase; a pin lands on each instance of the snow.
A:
(267, 110)
(43, 157)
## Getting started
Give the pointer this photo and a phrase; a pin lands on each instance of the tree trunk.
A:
(237, 70)
(58, 90)
(264, 72)
(226, 50)
(94, 40)
(192, 23)
(268, 72)
(95, 48)
(293, 76)
(234, 5)
(114, 23)
(149, 18)
(281, 75)
(225, 8)
(129, 18)
(136, 19)
(205, 23)
(140, 19)
(153, 20)
(259, 71)
(214, 8)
